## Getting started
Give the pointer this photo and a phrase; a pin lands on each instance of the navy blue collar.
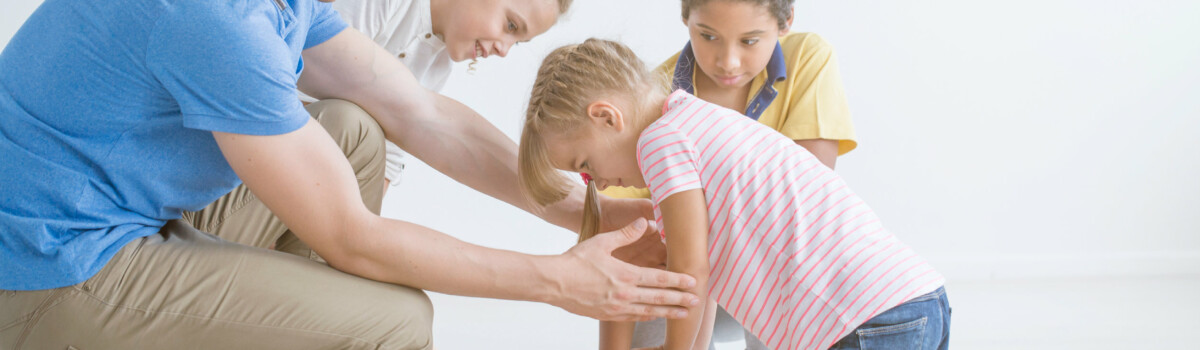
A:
(776, 71)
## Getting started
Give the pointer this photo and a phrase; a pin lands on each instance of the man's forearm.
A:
(585, 280)
(413, 255)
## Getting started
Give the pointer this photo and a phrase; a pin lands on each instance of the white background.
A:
(1027, 139)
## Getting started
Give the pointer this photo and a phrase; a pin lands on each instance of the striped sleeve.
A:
(668, 161)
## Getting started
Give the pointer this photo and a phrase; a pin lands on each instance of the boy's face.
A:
(732, 40)
(605, 148)
(482, 28)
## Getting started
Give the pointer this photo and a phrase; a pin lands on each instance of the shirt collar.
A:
(425, 21)
(776, 71)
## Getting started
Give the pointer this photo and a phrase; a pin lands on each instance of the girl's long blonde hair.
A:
(570, 78)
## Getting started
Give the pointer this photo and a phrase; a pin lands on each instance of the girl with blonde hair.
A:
(743, 55)
(767, 230)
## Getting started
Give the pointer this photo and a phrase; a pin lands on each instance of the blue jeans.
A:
(920, 323)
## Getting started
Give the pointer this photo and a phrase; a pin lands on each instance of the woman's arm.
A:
(451, 137)
(685, 222)
(440, 131)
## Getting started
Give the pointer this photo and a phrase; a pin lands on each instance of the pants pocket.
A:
(908, 335)
(106, 284)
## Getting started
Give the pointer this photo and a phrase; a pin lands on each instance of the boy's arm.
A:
(826, 151)
(616, 335)
(685, 222)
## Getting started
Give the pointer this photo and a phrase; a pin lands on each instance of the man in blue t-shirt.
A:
(118, 116)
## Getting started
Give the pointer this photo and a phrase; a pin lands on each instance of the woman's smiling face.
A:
(482, 28)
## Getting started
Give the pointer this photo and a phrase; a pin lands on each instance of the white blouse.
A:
(405, 29)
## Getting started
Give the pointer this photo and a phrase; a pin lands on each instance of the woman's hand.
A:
(648, 250)
(593, 283)
(618, 212)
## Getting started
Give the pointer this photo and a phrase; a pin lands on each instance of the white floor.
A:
(1094, 313)
(1001, 313)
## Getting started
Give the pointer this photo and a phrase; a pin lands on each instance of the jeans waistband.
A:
(937, 293)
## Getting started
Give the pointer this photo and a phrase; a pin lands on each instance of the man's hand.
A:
(596, 285)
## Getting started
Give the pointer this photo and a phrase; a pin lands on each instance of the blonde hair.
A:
(570, 78)
(563, 6)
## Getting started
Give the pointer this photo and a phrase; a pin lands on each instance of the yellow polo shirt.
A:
(808, 101)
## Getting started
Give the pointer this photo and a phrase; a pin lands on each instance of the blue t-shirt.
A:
(106, 116)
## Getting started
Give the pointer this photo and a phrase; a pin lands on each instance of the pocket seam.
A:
(56, 297)
(89, 287)
(920, 322)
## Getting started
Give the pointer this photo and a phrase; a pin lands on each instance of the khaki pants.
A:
(190, 288)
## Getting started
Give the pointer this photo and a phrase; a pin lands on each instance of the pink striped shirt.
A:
(794, 255)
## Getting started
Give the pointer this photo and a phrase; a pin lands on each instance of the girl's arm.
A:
(616, 335)
(706, 328)
(685, 222)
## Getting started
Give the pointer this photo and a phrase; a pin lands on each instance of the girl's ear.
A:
(604, 114)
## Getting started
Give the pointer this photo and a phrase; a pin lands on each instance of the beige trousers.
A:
(193, 286)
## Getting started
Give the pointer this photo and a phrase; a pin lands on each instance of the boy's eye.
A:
(750, 41)
(708, 37)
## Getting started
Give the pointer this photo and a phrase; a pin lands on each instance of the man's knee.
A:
(347, 123)
(410, 317)
(354, 130)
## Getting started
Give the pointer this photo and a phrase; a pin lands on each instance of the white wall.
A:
(1013, 139)
(1007, 139)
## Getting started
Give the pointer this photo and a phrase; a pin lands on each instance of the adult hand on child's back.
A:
(597, 285)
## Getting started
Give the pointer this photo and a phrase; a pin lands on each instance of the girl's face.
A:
(732, 40)
(482, 28)
(605, 148)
